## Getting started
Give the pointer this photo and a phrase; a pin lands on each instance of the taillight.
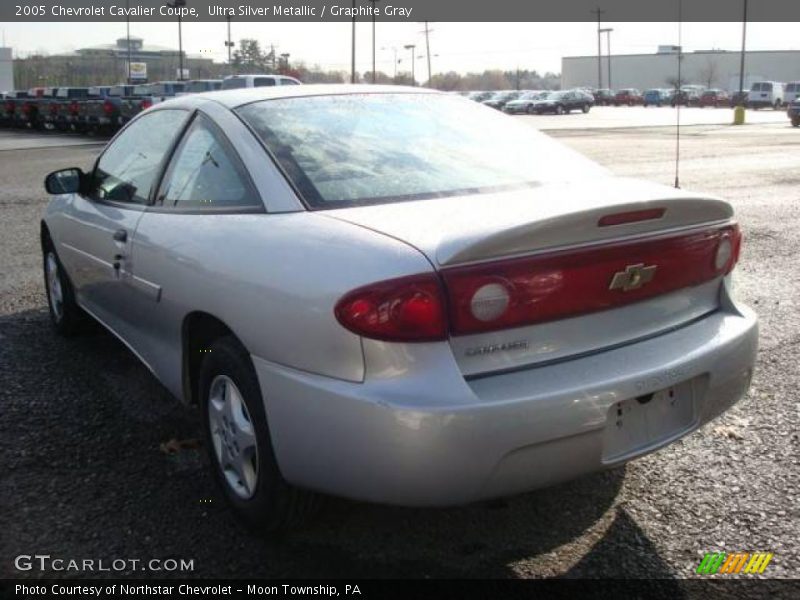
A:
(408, 309)
(54, 108)
(145, 104)
(10, 106)
(108, 107)
(27, 107)
(556, 285)
(633, 216)
(73, 107)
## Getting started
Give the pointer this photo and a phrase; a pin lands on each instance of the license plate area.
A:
(637, 425)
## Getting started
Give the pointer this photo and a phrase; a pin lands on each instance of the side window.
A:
(128, 168)
(263, 82)
(206, 173)
(288, 82)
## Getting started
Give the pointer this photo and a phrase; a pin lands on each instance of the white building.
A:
(711, 68)
(6, 70)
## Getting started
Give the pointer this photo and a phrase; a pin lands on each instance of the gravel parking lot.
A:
(86, 473)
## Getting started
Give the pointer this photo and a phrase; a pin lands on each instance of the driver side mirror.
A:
(65, 181)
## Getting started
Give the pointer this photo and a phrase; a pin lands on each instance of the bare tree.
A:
(708, 74)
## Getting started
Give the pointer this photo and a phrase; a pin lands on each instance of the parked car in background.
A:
(197, 86)
(739, 98)
(564, 102)
(654, 97)
(232, 82)
(628, 97)
(688, 95)
(791, 92)
(505, 318)
(714, 97)
(35, 108)
(764, 94)
(499, 99)
(480, 95)
(525, 102)
(794, 113)
(603, 97)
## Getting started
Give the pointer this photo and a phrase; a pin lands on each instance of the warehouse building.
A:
(711, 68)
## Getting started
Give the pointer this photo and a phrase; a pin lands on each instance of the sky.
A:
(458, 47)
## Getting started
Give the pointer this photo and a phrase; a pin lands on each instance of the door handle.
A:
(120, 235)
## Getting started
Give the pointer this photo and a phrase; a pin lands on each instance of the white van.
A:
(791, 92)
(766, 93)
(233, 82)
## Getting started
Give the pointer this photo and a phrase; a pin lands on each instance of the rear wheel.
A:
(239, 443)
(585, 108)
(796, 121)
(65, 314)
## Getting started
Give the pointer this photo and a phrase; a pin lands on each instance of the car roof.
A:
(241, 96)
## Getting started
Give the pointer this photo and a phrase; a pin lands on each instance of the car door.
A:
(204, 201)
(98, 227)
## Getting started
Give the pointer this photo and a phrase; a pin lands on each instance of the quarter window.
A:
(206, 173)
(128, 168)
(263, 82)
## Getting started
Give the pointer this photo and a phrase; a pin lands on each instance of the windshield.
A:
(348, 150)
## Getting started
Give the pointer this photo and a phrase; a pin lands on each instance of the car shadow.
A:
(105, 463)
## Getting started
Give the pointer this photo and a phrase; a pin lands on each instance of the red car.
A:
(629, 97)
(715, 98)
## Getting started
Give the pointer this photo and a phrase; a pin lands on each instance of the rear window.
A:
(762, 87)
(792, 87)
(289, 82)
(357, 149)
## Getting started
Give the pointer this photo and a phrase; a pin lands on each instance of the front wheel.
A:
(529, 109)
(65, 314)
(239, 443)
(585, 108)
(559, 110)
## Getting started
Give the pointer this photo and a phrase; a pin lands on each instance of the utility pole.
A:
(179, 4)
(413, 58)
(394, 50)
(599, 12)
(127, 34)
(374, 72)
(741, 62)
(608, 31)
(229, 45)
(428, 51)
(353, 47)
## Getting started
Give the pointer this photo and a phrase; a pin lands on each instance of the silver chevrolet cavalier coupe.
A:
(397, 295)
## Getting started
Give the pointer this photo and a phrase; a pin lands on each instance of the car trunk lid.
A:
(556, 249)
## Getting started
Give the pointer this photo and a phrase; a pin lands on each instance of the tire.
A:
(529, 109)
(777, 105)
(796, 121)
(237, 435)
(67, 317)
(585, 108)
(559, 109)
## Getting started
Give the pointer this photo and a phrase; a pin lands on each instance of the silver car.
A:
(397, 295)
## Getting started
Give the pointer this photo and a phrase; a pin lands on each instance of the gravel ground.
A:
(83, 423)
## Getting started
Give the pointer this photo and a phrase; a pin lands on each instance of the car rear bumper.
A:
(425, 445)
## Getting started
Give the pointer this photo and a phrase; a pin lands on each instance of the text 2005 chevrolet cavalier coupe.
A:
(397, 295)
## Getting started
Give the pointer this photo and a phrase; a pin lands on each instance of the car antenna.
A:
(678, 98)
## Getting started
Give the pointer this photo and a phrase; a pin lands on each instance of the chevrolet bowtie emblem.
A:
(633, 277)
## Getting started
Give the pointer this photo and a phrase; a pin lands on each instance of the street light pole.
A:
(599, 12)
(229, 45)
(179, 4)
(353, 47)
(741, 63)
(608, 31)
(428, 51)
(413, 75)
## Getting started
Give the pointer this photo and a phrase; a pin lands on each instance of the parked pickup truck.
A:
(12, 103)
(197, 86)
(58, 111)
(29, 112)
(145, 96)
(101, 110)
(232, 82)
